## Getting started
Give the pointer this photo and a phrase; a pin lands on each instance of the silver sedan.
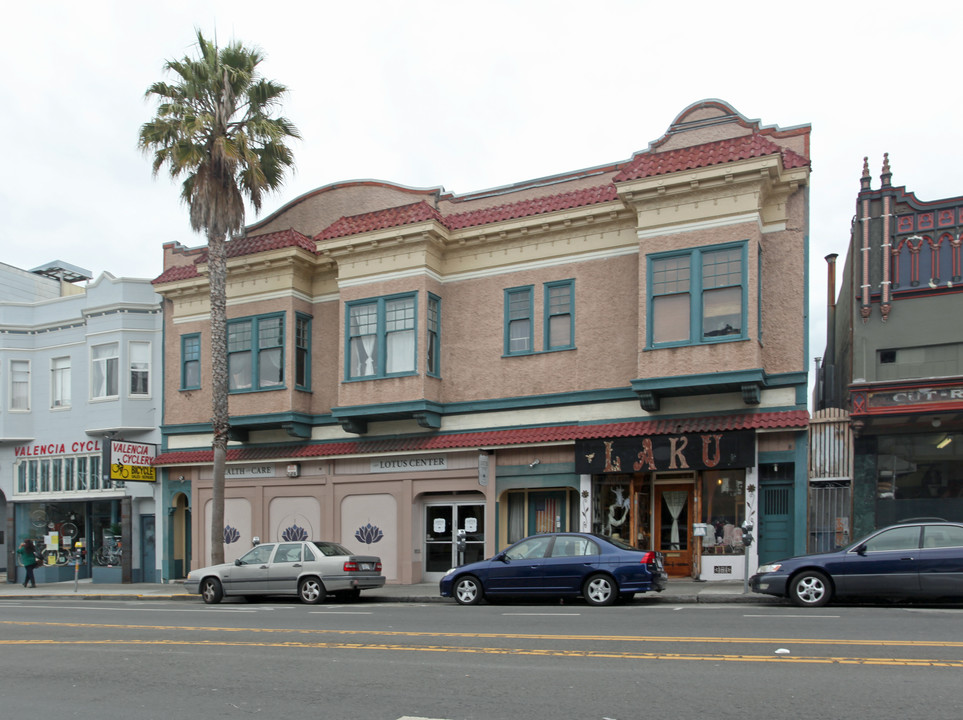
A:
(309, 570)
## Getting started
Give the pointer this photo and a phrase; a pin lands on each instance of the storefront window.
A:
(724, 511)
(77, 474)
(621, 508)
(919, 476)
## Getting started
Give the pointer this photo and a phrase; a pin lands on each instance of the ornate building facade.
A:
(619, 349)
(894, 356)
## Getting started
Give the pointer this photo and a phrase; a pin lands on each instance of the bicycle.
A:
(109, 554)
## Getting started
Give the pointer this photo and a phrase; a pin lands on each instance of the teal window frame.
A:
(519, 310)
(265, 335)
(709, 269)
(190, 353)
(383, 317)
(433, 355)
(559, 308)
(302, 351)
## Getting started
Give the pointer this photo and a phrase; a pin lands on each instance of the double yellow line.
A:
(529, 652)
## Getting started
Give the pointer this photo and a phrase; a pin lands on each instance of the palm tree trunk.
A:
(217, 269)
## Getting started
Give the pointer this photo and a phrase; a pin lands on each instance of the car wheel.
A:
(211, 590)
(311, 591)
(810, 588)
(468, 590)
(600, 590)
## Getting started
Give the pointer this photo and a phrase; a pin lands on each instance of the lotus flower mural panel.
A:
(294, 533)
(231, 535)
(369, 534)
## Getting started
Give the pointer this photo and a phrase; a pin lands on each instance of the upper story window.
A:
(697, 296)
(104, 371)
(434, 335)
(255, 353)
(190, 362)
(302, 352)
(560, 315)
(60, 382)
(139, 368)
(381, 337)
(19, 384)
(518, 320)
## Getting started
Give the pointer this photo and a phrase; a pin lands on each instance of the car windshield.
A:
(329, 549)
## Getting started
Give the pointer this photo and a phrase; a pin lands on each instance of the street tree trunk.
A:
(220, 419)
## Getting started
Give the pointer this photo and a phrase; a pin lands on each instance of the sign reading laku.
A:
(685, 451)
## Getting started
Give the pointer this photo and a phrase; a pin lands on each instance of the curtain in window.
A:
(19, 385)
(675, 501)
(139, 368)
(516, 517)
(104, 371)
(239, 370)
(401, 351)
(270, 370)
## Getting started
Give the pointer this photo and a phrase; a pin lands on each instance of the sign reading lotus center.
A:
(130, 462)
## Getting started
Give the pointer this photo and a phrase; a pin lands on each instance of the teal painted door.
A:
(776, 522)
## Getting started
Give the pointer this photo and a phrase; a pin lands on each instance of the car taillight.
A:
(377, 567)
(350, 566)
(647, 557)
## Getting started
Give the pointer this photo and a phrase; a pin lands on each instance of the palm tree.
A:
(214, 127)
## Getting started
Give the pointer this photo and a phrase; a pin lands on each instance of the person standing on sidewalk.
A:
(28, 556)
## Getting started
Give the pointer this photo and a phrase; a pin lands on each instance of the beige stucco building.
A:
(619, 349)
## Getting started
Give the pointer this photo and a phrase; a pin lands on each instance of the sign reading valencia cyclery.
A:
(130, 462)
(686, 451)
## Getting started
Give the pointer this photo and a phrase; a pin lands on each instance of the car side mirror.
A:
(237, 561)
(861, 550)
(503, 557)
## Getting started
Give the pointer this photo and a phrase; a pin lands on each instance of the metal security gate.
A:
(830, 512)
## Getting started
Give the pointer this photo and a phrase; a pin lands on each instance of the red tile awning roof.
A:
(650, 164)
(496, 438)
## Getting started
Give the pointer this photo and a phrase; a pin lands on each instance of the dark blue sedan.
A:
(909, 560)
(600, 569)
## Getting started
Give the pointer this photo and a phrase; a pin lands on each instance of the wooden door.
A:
(672, 530)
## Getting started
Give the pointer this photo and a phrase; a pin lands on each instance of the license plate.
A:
(367, 566)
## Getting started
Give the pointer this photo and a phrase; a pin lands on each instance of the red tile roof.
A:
(178, 272)
(381, 220)
(650, 164)
(497, 438)
(645, 164)
(239, 246)
(534, 206)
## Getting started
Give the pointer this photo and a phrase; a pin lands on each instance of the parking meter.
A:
(460, 545)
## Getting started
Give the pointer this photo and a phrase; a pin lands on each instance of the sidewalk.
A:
(678, 591)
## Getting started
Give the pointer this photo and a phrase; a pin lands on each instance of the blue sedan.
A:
(908, 560)
(600, 569)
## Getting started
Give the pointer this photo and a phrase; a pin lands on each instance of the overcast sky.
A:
(466, 96)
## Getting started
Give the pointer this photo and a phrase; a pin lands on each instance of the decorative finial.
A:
(887, 173)
(865, 182)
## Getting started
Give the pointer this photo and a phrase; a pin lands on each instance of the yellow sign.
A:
(131, 462)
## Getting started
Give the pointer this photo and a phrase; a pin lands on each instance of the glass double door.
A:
(444, 523)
